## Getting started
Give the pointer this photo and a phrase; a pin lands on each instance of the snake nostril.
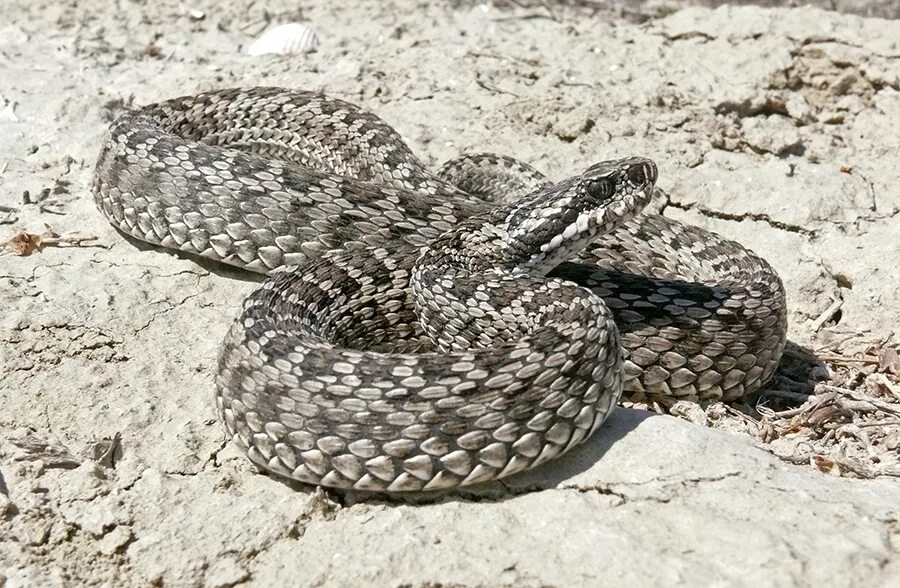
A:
(636, 174)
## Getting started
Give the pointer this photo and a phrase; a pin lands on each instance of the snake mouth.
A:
(637, 182)
(642, 172)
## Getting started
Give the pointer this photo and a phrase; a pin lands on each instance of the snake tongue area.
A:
(408, 337)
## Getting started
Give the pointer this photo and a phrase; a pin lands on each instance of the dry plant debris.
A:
(24, 243)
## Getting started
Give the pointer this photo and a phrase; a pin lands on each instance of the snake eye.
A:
(636, 174)
(601, 188)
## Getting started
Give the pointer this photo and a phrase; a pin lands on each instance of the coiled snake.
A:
(422, 331)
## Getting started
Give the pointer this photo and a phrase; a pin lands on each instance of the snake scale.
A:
(420, 330)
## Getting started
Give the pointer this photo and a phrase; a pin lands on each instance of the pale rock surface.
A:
(778, 128)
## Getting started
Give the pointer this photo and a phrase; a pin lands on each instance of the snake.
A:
(420, 330)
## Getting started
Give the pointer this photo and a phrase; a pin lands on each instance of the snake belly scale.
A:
(421, 330)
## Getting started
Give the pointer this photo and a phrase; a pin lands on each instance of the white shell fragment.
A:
(286, 39)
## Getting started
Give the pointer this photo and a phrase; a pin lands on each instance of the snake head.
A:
(554, 223)
(619, 179)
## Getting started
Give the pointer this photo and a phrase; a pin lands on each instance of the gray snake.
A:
(422, 330)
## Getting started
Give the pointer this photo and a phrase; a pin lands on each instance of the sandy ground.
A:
(776, 127)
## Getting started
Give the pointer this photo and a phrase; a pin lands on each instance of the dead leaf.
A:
(103, 451)
(888, 360)
(23, 244)
(54, 456)
(826, 465)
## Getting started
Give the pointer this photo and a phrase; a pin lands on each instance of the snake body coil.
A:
(421, 331)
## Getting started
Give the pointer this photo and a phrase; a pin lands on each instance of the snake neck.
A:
(494, 263)
(549, 226)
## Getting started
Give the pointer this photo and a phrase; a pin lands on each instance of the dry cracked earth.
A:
(779, 128)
